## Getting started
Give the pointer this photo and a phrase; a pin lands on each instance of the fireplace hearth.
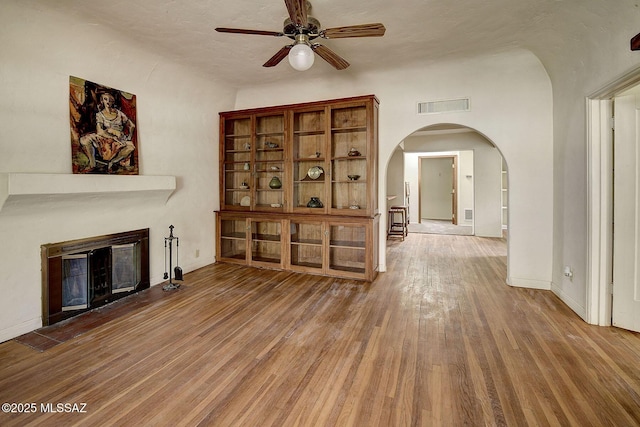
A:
(80, 275)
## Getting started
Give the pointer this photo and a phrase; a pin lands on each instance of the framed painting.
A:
(103, 129)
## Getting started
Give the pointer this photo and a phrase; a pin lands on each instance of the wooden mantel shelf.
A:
(20, 187)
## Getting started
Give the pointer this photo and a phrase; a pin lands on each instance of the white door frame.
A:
(600, 198)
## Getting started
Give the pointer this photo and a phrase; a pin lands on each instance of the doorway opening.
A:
(601, 202)
(452, 179)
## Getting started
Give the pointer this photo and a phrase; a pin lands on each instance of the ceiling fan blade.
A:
(297, 11)
(635, 42)
(363, 30)
(330, 56)
(255, 32)
(279, 56)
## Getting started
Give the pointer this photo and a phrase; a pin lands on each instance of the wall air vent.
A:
(468, 214)
(444, 106)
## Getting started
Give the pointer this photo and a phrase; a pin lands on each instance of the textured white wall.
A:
(395, 180)
(177, 130)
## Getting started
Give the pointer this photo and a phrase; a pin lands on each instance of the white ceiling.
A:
(417, 30)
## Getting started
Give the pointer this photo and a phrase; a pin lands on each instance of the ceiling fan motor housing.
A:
(312, 28)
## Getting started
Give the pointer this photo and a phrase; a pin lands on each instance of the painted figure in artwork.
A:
(112, 137)
(103, 126)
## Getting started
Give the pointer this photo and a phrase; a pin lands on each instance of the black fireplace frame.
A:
(52, 271)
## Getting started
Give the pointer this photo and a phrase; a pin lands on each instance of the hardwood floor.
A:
(438, 340)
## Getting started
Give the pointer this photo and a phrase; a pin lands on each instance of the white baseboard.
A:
(529, 283)
(574, 305)
(20, 329)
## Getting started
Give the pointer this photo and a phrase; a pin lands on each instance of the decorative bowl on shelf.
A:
(276, 205)
(353, 152)
(270, 144)
(353, 177)
(315, 172)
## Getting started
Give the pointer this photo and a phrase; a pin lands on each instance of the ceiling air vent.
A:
(444, 106)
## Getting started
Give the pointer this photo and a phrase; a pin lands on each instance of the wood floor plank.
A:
(437, 340)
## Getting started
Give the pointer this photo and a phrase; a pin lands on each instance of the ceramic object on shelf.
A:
(353, 177)
(245, 201)
(315, 202)
(270, 144)
(353, 152)
(315, 172)
(276, 205)
(275, 183)
(244, 185)
(246, 166)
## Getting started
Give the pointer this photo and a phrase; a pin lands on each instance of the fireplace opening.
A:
(83, 274)
(99, 277)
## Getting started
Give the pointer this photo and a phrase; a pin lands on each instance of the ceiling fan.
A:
(303, 28)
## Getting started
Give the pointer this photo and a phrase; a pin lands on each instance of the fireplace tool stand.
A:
(177, 271)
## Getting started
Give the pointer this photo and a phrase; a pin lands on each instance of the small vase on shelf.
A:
(315, 203)
(275, 183)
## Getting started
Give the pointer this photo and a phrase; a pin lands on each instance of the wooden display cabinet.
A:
(309, 153)
(266, 242)
(316, 244)
(232, 238)
(315, 166)
(253, 162)
(307, 246)
(252, 241)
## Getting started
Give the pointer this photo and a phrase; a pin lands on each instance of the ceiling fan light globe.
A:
(301, 57)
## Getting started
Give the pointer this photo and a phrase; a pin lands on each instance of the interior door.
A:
(438, 188)
(626, 215)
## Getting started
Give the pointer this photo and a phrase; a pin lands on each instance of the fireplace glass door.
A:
(125, 273)
(75, 279)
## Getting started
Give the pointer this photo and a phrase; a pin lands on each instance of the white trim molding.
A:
(600, 207)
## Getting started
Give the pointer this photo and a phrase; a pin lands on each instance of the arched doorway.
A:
(481, 187)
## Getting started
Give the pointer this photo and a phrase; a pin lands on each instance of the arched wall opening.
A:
(484, 176)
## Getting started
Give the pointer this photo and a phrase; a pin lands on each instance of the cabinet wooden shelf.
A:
(293, 163)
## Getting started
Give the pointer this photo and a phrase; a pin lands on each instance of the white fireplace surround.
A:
(23, 187)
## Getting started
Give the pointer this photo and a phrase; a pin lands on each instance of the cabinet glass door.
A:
(233, 239)
(237, 163)
(266, 242)
(349, 160)
(347, 249)
(269, 180)
(306, 247)
(309, 155)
